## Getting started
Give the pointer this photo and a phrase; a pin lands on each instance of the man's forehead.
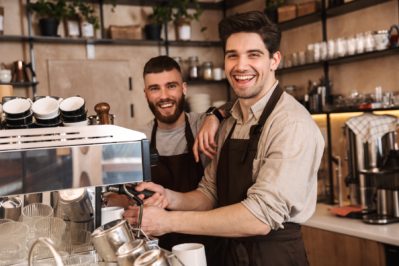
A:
(245, 41)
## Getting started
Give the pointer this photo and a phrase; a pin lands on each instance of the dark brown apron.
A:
(281, 247)
(181, 173)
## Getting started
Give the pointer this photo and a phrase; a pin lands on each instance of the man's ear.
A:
(184, 85)
(275, 61)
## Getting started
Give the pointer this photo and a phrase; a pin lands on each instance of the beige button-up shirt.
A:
(286, 164)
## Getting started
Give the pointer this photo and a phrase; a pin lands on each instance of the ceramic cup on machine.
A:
(73, 110)
(18, 113)
(46, 111)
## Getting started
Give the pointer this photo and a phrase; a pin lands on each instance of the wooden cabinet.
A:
(325, 248)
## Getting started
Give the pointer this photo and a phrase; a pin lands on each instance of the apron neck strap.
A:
(187, 132)
(256, 130)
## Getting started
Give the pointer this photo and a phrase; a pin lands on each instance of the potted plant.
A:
(49, 13)
(161, 14)
(72, 20)
(182, 17)
(90, 20)
(271, 7)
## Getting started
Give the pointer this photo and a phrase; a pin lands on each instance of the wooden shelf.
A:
(195, 43)
(218, 5)
(13, 38)
(363, 56)
(329, 12)
(300, 21)
(66, 40)
(21, 84)
(352, 6)
(341, 60)
(299, 68)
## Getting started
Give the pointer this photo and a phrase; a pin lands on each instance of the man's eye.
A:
(172, 86)
(153, 88)
(252, 55)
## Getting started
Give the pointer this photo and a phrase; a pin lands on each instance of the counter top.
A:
(323, 219)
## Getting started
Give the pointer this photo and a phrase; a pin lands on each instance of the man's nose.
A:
(164, 93)
(242, 62)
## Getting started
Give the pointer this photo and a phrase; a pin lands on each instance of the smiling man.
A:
(263, 182)
(171, 135)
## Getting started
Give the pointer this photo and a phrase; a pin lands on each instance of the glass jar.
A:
(193, 70)
(207, 70)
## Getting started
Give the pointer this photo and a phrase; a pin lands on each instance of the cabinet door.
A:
(325, 248)
(96, 81)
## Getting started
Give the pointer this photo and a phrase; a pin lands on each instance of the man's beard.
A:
(170, 119)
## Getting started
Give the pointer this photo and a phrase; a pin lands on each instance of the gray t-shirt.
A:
(173, 141)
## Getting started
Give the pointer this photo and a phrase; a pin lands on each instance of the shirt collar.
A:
(256, 109)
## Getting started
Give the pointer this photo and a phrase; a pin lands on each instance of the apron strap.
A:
(256, 130)
(187, 132)
(153, 143)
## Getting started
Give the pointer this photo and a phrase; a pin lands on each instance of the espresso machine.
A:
(68, 168)
(372, 182)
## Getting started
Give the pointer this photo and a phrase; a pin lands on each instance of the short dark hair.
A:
(252, 21)
(160, 64)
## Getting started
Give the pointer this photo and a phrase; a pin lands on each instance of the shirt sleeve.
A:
(285, 172)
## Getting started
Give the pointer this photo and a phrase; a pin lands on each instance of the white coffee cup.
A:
(46, 108)
(109, 214)
(192, 254)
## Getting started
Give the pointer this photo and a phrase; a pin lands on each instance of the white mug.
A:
(109, 214)
(192, 254)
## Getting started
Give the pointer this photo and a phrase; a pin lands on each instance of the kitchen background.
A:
(104, 69)
(328, 58)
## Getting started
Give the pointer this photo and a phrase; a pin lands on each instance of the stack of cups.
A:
(73, 112)
(46, 111)
(18, 113)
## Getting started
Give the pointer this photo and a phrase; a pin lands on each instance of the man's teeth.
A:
(243, 77)
(166, 105)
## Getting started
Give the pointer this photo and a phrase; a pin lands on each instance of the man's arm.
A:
(233, 221)
(205, 139)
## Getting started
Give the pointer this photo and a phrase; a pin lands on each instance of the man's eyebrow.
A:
(229, 51)
(172, 83)
(255, 51)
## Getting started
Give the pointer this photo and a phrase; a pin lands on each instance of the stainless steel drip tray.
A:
(65, 136)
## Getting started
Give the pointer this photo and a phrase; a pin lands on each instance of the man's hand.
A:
(153, 221)
(158, 199)
(205, 140)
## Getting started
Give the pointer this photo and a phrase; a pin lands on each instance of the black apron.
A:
(181, 173)
(281, 247)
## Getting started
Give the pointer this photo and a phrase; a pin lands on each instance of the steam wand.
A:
(139, 203)
(133, 194)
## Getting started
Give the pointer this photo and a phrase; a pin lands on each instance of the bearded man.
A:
(172, 134)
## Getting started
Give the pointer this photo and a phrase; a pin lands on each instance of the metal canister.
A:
(108, 238)
(129, 252)
(10, 208)
(155, 257)
(75, 204)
